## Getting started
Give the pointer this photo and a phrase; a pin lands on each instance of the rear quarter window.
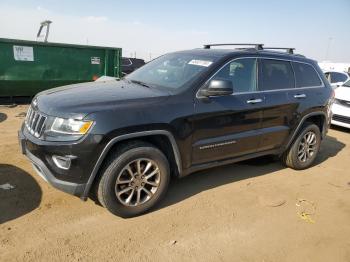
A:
(306, 75)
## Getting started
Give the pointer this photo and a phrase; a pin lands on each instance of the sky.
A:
(149, 28)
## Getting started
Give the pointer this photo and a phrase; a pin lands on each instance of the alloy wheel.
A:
(137, 182)
(307, 146)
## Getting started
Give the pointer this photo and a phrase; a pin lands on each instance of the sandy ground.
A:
(242, 212)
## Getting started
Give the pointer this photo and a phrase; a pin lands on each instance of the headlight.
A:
(70, 126)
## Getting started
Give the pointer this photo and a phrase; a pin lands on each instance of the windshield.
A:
(171, 71)
(347, 83)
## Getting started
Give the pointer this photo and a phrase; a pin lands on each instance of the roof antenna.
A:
(43, 24)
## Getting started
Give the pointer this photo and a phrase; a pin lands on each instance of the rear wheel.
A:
(304, 149)
(135, 179)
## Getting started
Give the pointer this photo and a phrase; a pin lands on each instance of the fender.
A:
(105, 151)
(302, 121)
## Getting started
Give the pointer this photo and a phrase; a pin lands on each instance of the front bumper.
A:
(72, 181)
(341, 115)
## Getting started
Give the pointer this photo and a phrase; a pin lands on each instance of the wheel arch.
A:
(319, 118)
(154, 137)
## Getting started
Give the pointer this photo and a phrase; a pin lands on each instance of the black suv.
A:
(183, 112)
(131, 64)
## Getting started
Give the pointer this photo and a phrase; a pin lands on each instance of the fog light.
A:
(62, 162)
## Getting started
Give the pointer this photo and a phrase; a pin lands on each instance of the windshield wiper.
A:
(140, 83)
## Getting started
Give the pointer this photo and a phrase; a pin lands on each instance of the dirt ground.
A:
(251, 211)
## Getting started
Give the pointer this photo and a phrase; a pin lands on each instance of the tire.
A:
(125, 170)
(294, 157)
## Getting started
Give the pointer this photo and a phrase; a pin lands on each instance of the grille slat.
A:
(42, 125)
(35, 122)
(28, 114)
(30, 117)
(32, 122)
(340, 118)
(343, 102)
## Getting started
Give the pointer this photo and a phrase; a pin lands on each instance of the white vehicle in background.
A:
(341, 106)
(336, 78)
(338, 67)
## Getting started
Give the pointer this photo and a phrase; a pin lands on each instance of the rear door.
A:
(308, 93)
(276, 79)
(228, 126)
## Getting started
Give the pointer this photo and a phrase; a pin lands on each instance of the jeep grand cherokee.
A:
(180, 113)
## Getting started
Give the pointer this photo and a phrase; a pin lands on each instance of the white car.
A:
(336, 78)
(341, 106)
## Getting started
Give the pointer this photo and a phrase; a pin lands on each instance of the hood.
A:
(76, 101)
(342, 93)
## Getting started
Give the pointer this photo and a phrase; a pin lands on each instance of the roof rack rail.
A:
(257, 46)
(289, 50)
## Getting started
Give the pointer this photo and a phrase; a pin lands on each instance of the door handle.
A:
(300, 96)
(254, 101)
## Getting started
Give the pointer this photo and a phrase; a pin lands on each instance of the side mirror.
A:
(218, 88)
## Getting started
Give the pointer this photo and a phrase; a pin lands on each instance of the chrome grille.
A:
(35, 122)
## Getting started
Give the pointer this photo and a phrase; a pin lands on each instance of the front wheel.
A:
(304, 149)
(135, 179)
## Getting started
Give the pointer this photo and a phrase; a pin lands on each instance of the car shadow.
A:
(181, 189)
(3, 117)
(19, 193)
(330, 147)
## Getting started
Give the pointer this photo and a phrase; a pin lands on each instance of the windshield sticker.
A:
(200, 62)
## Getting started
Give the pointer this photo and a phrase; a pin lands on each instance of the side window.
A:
(242, 74)
(337, 77)
(305, 75)
(276, 74)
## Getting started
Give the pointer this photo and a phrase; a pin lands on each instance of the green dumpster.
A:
(28, 67)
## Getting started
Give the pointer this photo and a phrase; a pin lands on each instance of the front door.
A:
(229, 126)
